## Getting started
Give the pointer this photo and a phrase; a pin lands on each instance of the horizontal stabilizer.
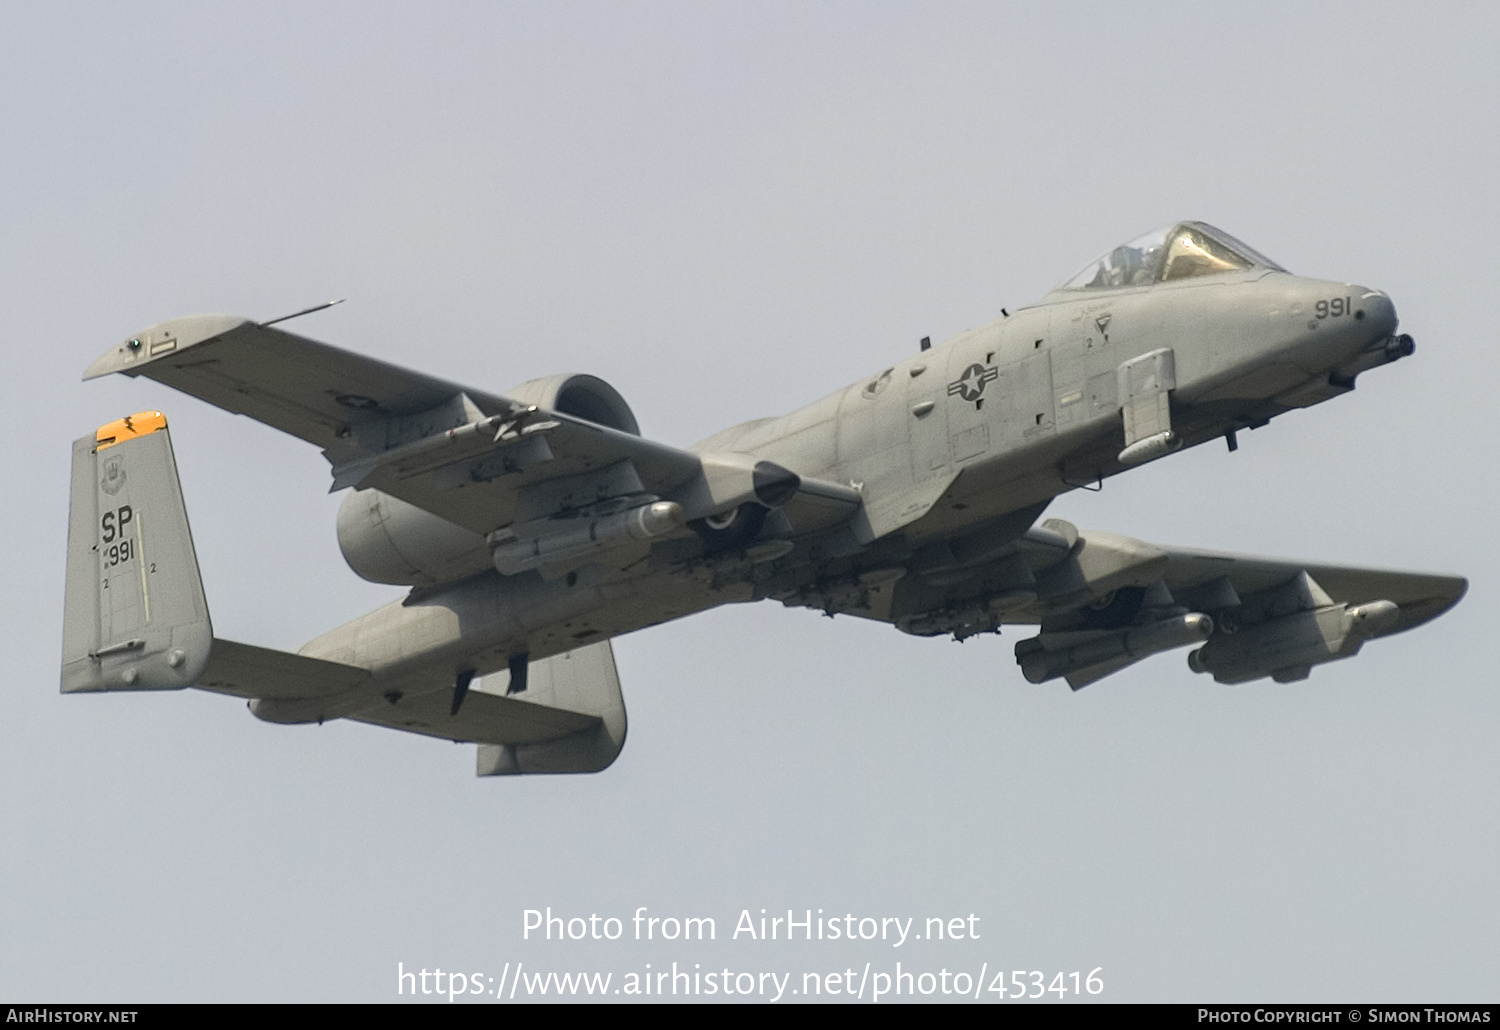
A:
(244, 670)
(570, 717)
(483, 718)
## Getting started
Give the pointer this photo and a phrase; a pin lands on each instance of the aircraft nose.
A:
(1375, 340)
(1375, 310)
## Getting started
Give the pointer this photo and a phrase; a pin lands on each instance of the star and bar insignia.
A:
(971, 384)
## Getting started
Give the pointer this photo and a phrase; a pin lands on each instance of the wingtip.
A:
(134, 352)
(1461, 588)
(1449, 591)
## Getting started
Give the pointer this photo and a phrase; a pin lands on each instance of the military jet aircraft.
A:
(531, 527)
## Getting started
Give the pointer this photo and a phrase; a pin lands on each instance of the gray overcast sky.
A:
(728, 210)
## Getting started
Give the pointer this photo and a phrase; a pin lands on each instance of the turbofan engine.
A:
(386, 540)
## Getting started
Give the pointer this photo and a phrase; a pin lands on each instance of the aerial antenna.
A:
(305, 311)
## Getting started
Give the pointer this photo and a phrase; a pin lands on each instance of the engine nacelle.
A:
(582, 396)
(386, 540)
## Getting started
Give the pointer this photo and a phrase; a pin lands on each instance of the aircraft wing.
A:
(1421, 596)
(476, 459)
(300, 386)
(1113, 601)
(251, 672)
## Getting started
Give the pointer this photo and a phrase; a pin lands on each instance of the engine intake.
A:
(582, 396)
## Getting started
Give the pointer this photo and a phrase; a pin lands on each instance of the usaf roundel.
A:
(971, 384)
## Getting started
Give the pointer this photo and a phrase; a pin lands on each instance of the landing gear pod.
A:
(1311, 629)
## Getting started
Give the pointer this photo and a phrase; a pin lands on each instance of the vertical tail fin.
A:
(135, 617)
(583, 681)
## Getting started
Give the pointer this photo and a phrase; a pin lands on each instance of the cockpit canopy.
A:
(1183, 251)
